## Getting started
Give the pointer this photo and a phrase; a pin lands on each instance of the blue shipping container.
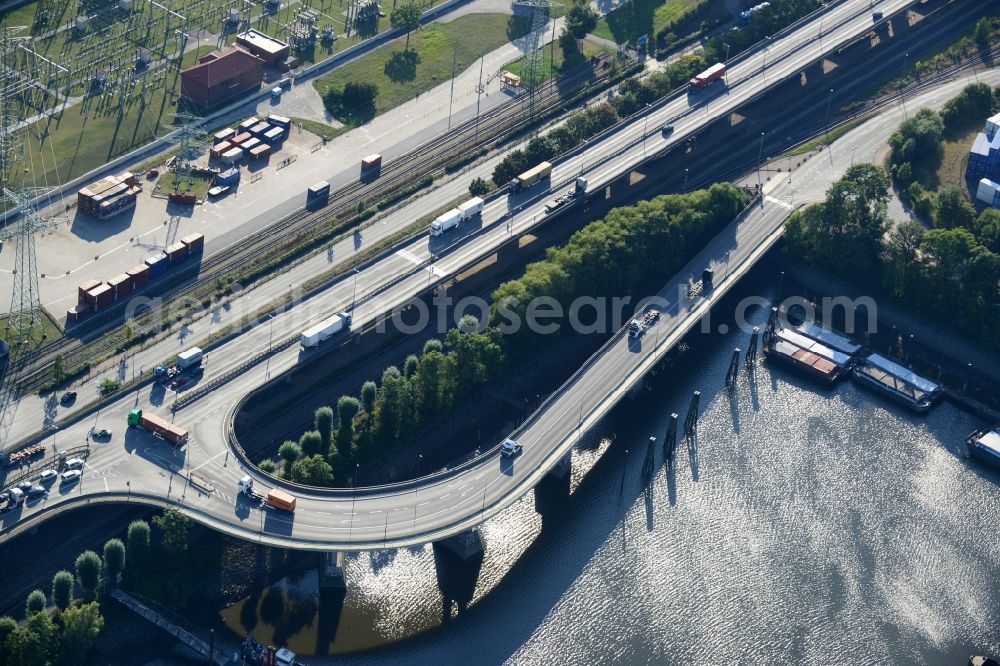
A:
(158, 264)
(228, 177)
(274, 135)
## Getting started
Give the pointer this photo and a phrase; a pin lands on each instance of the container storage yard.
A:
(109, 196)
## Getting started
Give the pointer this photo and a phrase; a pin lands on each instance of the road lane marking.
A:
(409, 256)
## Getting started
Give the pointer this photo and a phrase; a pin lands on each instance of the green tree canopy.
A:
(312, 470)
(35, 602)
(174, 525)
(62, 590)
(311, 443)
(290, 451)
(114, 558)
(406, 18)
(323, 420)
(954, 210)
(138, 541)
(81, 625)
(88, 573)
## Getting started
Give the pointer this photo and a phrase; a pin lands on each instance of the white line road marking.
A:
(783, 204)
(409, 256)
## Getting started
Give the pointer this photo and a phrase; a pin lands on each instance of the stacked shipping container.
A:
(109, 196)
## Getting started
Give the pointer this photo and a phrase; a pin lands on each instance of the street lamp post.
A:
(727, 61)
(829, 101)
(685, 181)
(354, 298)
(760, 152)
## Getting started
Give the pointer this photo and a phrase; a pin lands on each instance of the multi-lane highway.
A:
(135, 467)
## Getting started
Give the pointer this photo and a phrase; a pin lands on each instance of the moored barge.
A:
(897, 382)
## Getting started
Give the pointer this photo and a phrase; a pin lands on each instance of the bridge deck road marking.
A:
(783, 204)
(409, 256)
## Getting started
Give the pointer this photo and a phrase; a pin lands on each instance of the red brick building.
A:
(222, 75)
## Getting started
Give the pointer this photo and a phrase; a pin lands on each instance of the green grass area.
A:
(45, 330)
(197, 184)
(192, 55)
(642, 17)
(951, 169)
(402, 75)
(825, 139)
(554, 62)
(321, 130)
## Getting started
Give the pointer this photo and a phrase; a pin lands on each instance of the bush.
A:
(313, 471)
(108, 386)
(35, 603)
(479, 187)
(290, 452)
(267, 465)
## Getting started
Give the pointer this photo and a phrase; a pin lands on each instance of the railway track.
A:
(427, 160)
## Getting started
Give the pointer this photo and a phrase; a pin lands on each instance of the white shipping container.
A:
(316, 334)
(471, 208)
(445, 222)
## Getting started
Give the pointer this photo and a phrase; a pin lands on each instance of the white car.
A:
(510, 448)
(74, 463)
(71, 476)
(48, 476)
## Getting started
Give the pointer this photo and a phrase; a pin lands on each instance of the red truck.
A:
(159, 426)
(703, 80)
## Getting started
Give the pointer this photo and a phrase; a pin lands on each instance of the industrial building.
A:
(272, 51)
(222, 75)
(984, 156)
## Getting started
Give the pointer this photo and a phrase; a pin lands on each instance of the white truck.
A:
(314, 335)
(456, 216)
(637, 327)
(189, 358)
(446, 221)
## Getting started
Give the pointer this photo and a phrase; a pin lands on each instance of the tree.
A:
(394, 407)
(88, 573)
(107, 386)
(580, 20)
(323, 420)
(347, 408)
(175, 526)
(58, 370)
(114, 559)
(62, 590)
(900, 255)
(359, 97)
(35, 603)
(138, 542)
(289, 452)
(7, 627)
(311, 443)
(369, 393)
(81, 625)
(410, 365)
(313, 471)
(406, 18)
(983, 33)
(267, 465)
(433, 345)
(988, 229)
(34, 643)
(954, 210)
(479, 187)
(433, 384)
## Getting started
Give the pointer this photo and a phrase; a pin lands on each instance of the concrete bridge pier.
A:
(465, 545)
(552, 492)
(332, 574)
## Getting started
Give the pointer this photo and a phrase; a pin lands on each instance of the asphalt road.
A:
(135, 466)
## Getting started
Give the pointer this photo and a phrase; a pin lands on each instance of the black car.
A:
(101, 434)
(68, 398)
(667, 130)
(36, 491)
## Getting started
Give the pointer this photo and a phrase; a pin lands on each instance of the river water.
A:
(815, 525)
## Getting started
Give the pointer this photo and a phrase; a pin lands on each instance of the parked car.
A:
(68, 398)
(74, 463)
(36, 491)
(71, 476)
(48, 476)
(510, 448)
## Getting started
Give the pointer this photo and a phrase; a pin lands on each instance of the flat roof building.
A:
(270, 50)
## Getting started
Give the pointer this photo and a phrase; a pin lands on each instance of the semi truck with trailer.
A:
(159, 426)
(276, 499)
(314, 335)
(531, 176)
(456, 216)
